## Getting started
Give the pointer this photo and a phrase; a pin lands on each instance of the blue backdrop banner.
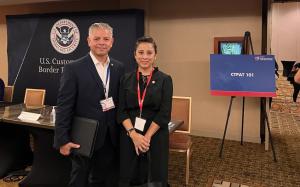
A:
(242, 75)
(39, 45)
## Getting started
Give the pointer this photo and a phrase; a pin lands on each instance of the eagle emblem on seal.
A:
(64, 36)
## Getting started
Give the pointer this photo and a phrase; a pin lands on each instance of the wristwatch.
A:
(130, 130)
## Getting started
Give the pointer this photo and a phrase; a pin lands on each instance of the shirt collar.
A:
(95, 61)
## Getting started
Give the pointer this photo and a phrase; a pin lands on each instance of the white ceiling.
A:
(18, 2)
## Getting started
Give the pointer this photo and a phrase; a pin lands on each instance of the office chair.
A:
(8, 93)
(34, 97)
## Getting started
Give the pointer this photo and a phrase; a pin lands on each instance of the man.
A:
(89, 88)
(2, 85)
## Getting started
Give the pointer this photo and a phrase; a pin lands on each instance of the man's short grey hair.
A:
(101, 26)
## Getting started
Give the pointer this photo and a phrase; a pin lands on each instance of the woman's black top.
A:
(157, 103)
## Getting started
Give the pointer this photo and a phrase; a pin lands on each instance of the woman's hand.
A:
(148, 137)
(141, 143)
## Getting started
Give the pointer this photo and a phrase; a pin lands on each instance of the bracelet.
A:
(130, 130)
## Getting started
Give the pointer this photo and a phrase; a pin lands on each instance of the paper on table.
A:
(170, 124)
(29, 116)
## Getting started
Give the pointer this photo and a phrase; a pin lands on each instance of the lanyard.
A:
(141, 100)
(105, 85)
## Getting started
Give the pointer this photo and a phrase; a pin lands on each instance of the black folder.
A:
(84, 133)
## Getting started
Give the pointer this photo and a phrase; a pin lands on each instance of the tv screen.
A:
(230, 48)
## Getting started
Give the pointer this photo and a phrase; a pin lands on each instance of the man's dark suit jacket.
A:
(81, 90)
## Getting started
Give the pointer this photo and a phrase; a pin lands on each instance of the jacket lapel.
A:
(113, 77)
(151, 85)
(93, 70)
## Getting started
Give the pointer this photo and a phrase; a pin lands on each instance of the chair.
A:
(34, 97)
(180, 141)
(8, 93)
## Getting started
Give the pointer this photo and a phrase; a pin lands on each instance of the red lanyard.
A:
(141, 100)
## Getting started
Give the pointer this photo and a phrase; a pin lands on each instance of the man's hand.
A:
(66, 149)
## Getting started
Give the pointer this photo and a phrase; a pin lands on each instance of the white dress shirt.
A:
(102, 72)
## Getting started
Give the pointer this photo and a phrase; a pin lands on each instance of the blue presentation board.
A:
(242, 75)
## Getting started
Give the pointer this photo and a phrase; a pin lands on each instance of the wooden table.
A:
(174, 124)
(49, 168)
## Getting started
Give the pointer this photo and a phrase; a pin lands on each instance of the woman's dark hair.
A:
(145, 39)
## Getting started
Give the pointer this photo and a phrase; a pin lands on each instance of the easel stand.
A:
(246, 43)
(227, 120)
(268, 125)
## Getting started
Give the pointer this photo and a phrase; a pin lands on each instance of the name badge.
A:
(107, 104)
(139, 124)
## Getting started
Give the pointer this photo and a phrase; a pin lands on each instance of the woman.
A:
(297, 77)
(144, 111)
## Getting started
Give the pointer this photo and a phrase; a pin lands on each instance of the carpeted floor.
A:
(249, 164)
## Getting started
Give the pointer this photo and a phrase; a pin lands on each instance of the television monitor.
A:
(230, 47)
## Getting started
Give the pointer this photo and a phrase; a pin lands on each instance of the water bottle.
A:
(52, 115)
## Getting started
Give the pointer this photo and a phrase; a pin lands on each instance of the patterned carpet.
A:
(249, 164)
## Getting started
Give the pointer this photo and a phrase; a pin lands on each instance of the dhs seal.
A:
(64, 36)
